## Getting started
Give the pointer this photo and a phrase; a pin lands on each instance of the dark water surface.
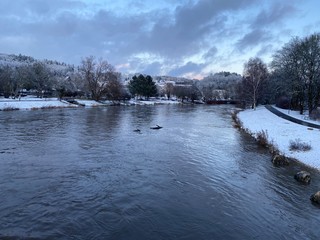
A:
(84, 174)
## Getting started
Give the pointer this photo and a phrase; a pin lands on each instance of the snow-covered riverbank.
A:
(281, 132)
(29, 103)
(32, 103)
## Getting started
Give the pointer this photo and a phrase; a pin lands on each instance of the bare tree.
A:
(189, 92)
(114, 88)
(41, 80)
(194, 93)
(310, 67)
(286, 68)
(97, 75)
(298, 63)
(180, 92)
(6, 76)
(169, 89)
(24, 76)
(255, 75)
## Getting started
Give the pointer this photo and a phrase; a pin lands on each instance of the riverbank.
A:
(7, 104)
(32, 103)
(281, 133)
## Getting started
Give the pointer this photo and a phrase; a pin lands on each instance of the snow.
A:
(281, 132)
(37, 103)
(152, 102)
(32, 103)
(297, 115)
(89, 103)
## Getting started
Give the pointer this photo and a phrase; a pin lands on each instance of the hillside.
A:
(18, 60)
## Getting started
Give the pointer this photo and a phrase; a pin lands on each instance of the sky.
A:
(181, 38)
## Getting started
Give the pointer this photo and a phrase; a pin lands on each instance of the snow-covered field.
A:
(38, 103)
(32, 103)
(297, 115)
(152, 102)
(281, 132)
(90, 103)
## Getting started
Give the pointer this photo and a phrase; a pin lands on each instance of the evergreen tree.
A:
(142, 86)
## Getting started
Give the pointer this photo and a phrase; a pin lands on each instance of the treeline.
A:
(36, 76)
(292, 79)
(94, 79)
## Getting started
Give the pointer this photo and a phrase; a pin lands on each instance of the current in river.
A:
(86, 174)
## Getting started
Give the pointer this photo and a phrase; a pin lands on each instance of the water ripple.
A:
(84, 174)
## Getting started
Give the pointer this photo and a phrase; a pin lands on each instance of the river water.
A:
(85, 174)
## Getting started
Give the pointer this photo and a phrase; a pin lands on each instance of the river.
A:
(85, 174)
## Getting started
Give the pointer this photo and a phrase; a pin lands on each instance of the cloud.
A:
(151, 36)
(33, 9)
(211, 53)
(173, 35)
(154, 68)
(274, 15)
(189, 67)
(189, 27)
(253, 39)
(265, 28)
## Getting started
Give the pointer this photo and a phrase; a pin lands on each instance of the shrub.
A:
(273, 148)
(297, 145)
(262, 138)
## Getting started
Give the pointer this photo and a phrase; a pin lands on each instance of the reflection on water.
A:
(85, 174)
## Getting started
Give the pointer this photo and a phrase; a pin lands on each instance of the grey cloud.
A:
(34, 8)
(260, 29)
(66, 35)
(211, 53)
(253, 39)
(153, 68)
(67, 30)
(274, 15)
(188, 67)
(116, 36)
(204, 11)
(104, 32)
(189, 27)
(265, 50)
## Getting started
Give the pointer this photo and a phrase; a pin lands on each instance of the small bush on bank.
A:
(297, 145)
(273, 148)
(262, 138)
